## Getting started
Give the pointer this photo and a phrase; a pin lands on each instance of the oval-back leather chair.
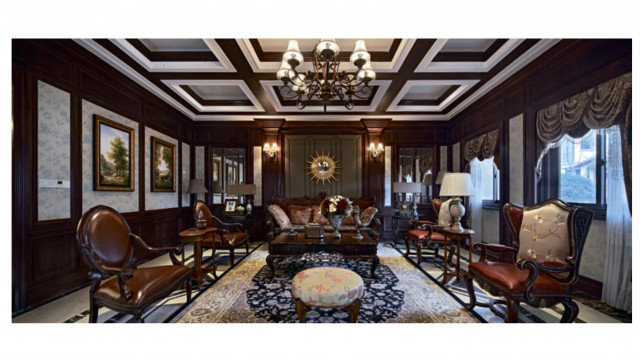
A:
(106, 244)
(229, 237)
(547, 247)
(428, 234)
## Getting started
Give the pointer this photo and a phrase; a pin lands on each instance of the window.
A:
(487, 181)
(577, 172)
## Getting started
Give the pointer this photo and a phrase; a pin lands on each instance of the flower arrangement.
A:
(336, 205)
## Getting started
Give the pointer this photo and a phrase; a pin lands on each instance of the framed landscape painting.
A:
(113, 155)
(163, 158)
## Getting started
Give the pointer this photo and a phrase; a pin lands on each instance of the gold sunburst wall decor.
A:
(323, 167)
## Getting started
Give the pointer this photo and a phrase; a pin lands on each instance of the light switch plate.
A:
(59, 184)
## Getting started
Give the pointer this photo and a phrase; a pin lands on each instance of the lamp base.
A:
(457, 211)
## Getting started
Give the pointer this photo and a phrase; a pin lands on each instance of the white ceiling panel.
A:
(175, 44)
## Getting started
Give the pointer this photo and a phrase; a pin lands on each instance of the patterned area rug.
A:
(247, 294)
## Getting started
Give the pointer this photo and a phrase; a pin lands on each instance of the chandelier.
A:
(326, 82)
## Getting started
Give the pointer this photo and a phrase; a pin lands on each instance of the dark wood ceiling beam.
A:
(112, 48)
(416, 54)
(240, 63)
(171, 55)
(343, 56)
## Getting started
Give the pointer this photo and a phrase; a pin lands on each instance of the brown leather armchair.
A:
(428, 234)
(230, 236)
(547, 246)
(106, 244)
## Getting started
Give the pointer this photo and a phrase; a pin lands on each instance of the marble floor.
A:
(74, 307)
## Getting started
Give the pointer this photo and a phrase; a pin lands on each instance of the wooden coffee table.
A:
(366, 249)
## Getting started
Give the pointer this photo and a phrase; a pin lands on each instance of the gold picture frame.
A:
(163, 159)
(113, 151)
(323, 167)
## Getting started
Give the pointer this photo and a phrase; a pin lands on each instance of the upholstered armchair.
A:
(426, 233)
(106, 244)
(547, 246)
(229, 235)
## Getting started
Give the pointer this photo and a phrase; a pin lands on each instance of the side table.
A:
(196, 236)
(458, 237)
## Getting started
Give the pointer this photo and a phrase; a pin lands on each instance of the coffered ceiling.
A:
(235, 79)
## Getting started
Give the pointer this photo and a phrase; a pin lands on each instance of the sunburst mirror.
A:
(323, 167)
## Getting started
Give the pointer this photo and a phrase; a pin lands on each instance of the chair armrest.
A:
(534, 268)
(497, 248)
(173, 251)
(239, 226)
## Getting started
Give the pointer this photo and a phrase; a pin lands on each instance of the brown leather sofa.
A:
(106, 244)
(230, 236)
(273, 229)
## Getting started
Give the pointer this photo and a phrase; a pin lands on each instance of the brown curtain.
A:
(482, 147)
(599, 107)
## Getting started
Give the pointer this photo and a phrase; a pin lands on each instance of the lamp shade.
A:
(400, 187)
(457, 184)
(440, 177)
(242, 189)
(427, 179)
(196, 186)
(414, 187)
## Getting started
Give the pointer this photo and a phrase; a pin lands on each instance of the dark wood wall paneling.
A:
(46, 260)
(570, 67)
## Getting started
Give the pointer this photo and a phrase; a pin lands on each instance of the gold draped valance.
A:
(482, 147)
(599, 107)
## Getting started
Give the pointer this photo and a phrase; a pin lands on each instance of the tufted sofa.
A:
(300, 205)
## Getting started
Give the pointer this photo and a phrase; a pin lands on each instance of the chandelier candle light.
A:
(334, 209)
(456, 185)
(326, 82)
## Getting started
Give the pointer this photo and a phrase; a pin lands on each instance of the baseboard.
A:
(589, 286)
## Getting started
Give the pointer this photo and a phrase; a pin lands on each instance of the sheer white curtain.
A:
(617, 273)
(475, 206)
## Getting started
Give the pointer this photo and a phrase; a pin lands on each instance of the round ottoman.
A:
(329, 288)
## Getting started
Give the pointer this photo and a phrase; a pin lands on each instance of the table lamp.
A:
(196, 186)
(243, 189)
(456, 185)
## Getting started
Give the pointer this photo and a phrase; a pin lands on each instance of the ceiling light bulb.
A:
(327, 49)
(293, 56)
(266, 146)
(360, 55)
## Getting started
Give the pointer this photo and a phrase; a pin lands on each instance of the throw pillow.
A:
(299, 215)
(544, 235)
(317, 217)
(280, 216)
(367, 215)
(348, 220)
(444, 216)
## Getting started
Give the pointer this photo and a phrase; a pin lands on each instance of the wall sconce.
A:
(375, 152)
(271, 151)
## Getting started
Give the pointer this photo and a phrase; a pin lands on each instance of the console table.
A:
(366, 249)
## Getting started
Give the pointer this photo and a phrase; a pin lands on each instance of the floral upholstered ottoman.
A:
(327, 287)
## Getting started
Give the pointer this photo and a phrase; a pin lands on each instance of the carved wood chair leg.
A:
(246, 246)
(512, 310)
(407, 250)
(571, 311)
(231, 256)
(188, 288)
(419, 251)
(472, 292)
(137, 317)
(93, 310)
(354, 310)
(301, 309)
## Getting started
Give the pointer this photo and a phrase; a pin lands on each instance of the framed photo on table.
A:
(230, 206)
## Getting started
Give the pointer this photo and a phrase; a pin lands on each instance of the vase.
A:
(336, 222)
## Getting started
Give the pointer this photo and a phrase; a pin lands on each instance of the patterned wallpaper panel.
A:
(158, 200)
(186, 173)
(592, 263)
(200, 166)
(516, 158)
(443, 158)
(456, 157)
(490, 226)
(122, 201)
(54, 151)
